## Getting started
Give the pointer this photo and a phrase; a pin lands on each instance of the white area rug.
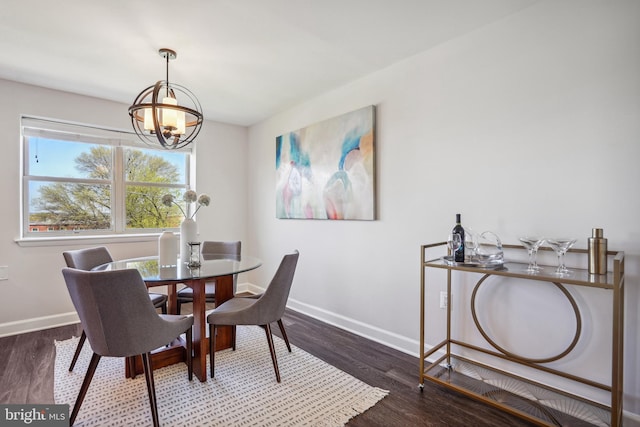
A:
(243, 393)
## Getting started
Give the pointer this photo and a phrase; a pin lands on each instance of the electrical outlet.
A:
(443, 299)
(4, 272)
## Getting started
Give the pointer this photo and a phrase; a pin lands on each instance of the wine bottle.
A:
(458, 255)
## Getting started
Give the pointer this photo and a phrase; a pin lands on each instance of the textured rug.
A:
(243, 393)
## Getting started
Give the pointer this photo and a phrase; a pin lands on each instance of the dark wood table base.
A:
(176, 351)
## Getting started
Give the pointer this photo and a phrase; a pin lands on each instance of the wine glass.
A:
(470, 244)
(532, 243)
(454, 242)
(560, 247)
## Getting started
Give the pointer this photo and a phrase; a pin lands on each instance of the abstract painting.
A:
(327, 170)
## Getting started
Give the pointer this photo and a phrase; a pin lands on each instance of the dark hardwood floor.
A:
(26, 376)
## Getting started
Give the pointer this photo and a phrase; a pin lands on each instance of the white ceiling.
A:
(244, 59)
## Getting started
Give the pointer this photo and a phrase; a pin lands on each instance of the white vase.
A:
(188, 233)
(167, 249)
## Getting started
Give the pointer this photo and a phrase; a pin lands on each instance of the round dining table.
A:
(219, 269)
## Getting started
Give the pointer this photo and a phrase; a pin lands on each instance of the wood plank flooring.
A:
(26, 376)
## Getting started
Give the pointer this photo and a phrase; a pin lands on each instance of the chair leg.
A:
(272, 350)
(151, 388)
(132, 366)
(233, 337)
(83, 337)
(284, 334)
(212, 349)
(93, 364)
(178, 307)
(164, 308)
(189, 335)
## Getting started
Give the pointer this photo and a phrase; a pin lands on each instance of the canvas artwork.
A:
(327, 170)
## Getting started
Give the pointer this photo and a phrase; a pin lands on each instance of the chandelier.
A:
(158, 118)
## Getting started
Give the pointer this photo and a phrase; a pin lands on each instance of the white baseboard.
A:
(249, 287)
(38, 323)
(390, 339)
(629, 419)
(398, 342)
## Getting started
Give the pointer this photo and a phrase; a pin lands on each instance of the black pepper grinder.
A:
(597, 248)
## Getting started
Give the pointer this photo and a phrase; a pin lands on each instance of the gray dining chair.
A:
(185, 295)
(87, 259)
(120, 321)
(267, 308)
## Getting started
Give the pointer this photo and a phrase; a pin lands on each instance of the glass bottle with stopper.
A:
(194, 255)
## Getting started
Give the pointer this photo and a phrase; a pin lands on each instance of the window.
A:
(82, 180)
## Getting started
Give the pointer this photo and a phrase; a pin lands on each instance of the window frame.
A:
(119, 141)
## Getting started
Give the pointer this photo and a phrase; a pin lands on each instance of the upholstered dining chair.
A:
(185, 295)
(120, 321)
(267, 308)
(87, 259)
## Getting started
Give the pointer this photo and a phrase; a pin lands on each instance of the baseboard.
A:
(389, 339)
(629, 419)
(249, 287)
(38, 323)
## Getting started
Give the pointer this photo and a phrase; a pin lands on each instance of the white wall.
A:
(35, 295)
(539, 114)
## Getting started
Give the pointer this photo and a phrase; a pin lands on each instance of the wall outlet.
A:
(443, 299)
(4, 272)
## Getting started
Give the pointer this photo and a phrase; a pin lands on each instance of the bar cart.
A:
(448, 363)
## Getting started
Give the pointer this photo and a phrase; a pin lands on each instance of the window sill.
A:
(78, 240)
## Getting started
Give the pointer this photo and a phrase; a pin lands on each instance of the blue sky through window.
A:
(51, 157)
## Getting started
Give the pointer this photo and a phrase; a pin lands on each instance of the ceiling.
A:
(245, 60)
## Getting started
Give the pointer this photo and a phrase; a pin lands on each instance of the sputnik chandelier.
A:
(158, 118)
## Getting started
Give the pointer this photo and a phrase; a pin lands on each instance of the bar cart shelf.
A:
(449, 363)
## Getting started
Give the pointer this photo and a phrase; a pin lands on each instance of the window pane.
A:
(155, 166)
(93, 181)
(144, 208)
(62, 206)
(67, 159)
